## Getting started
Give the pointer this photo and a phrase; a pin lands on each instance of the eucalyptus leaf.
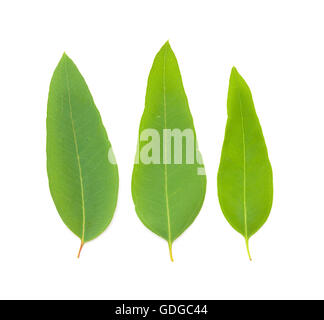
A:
(83, 182)
(169, 182)
(245, 186)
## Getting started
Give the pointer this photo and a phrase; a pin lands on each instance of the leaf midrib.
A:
(164, 160)
(244, 171)
(77, 155)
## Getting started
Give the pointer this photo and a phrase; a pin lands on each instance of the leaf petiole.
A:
(247, 247)
(82, 243)
(170, 251)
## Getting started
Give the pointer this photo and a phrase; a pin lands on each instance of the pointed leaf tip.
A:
(167, 43)
(166, 46)
(237, 78)
(64, 55)
(64, 58)
(234, 72)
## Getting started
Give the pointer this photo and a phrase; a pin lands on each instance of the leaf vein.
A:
(77, 155)
(244, 172)
(165, 157)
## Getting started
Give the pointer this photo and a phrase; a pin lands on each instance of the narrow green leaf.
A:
(169, 183)
(245, 186)
(82, 181)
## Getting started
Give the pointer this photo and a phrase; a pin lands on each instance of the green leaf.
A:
(82, 181)
(169, 183)
(245, 187)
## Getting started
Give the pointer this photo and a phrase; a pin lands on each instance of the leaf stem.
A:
(170, 250)
(247, 247)
(82, 243)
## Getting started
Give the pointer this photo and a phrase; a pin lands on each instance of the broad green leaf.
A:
(245, 185)
(169, 182)
(82, 181)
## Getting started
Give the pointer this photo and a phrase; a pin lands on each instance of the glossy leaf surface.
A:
(82, 181)
(168, 195)
(245, 187)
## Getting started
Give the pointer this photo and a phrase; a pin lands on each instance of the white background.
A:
(278, 48)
